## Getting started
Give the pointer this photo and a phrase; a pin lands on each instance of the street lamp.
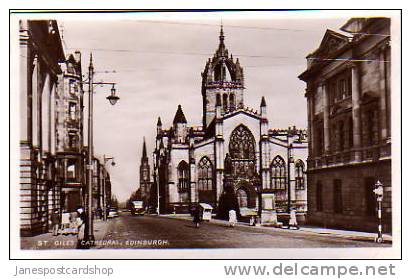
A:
(379, 192)
(113, 98)
(89, 234)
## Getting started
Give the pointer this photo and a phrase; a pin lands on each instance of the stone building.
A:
(349, 112)
(40, 54)
(232, 151)
(70, 154)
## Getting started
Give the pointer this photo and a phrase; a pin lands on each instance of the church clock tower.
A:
(222, 82)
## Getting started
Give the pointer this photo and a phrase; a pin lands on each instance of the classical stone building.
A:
(349, 112)
(233, 150)
(40, 54)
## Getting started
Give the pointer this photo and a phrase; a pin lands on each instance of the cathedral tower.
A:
(223, 80)
(145, 184)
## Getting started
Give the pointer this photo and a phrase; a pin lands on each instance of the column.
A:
(25, 83)
(311, 132)
(292, 180)
(326, 119)
(383, 97)
(356, 115)
(35, 101)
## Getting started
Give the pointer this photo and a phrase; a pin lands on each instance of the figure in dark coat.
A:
(196, 216)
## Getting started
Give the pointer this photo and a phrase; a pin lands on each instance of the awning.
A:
(205, 206)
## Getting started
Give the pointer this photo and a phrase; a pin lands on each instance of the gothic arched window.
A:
(183, 177)
(299, 175)
(232, 104)
(278, 174)
(205, 175)
(242, 144)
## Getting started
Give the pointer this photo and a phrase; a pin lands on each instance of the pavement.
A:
(47, 241)
(178, 231)
(346, 234)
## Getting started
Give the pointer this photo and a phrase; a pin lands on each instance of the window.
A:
(299, 175)
(232, 106)
(370, 200)
(338, 201)
(371, 126)
(72, 141)
(72, 110)
(319, 138)
(319, 196)
(242, 144)
(225, 102)
(278, 174)
(73, 87)
(242, 153)
(350, 133)
(341, 135)
(218, 99)
(205, 175)
(183, 181)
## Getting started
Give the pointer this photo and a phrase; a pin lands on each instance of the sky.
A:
(158, 60)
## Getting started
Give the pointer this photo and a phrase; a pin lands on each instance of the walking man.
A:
(55, 222)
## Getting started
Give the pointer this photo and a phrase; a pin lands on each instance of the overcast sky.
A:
(158, 62)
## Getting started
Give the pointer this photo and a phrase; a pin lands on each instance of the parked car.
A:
(112, 213)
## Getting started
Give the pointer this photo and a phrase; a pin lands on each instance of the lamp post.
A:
(379, 192)
(89, 234)
(105, 160)
(289, 160)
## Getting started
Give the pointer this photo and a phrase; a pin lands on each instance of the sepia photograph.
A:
(207, 134)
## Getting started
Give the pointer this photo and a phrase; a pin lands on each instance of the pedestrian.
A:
(196, 217)
(73, 225)
(55, 222)
(232, 217)
(81, 224)
(293, 220)
(252, 221)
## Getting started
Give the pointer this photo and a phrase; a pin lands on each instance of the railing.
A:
(364, 154)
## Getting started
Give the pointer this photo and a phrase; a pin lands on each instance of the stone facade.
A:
(40, 54)
(349, 112)
(232, 150)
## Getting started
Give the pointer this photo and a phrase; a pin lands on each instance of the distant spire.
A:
(221, 32)
(179, 117)
(144, 148)
(221, 47)
(263, 104)
(159, 121)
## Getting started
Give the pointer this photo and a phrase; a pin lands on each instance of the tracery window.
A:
(183, 177)
(278, 174)
(299, 175)
(242, 153)
(242, 144)
(205, 175)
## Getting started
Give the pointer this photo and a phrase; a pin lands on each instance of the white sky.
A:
(158, 65)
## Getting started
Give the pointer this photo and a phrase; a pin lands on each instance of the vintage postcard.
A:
(206, 134)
